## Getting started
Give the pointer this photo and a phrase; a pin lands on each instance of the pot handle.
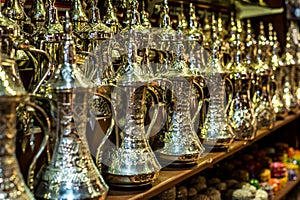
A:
(46, 129)
(200, 100)
(156, 110)
(230, 93)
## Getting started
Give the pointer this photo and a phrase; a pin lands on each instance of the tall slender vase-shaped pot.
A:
(71, 174)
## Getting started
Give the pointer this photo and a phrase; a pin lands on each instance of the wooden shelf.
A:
(284, 191)
(168, 179)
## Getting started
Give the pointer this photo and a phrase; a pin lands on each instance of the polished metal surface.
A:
(71, 173)
(13, 98)
(78, 15)
(9, 33)
(194, 32)
(250, 48)
(278, 74)
(216, 132)
(181, 144)
(145, 18)
(13, 10)
(110, 18)
(12, 185)
(131, 161)
(262, 103)
(38, 12)
(128, 160)
(94, 32)
(289, 84)
(241, 114)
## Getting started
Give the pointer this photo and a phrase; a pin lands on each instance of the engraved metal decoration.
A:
(145, 21)
(49, 41)
(94, 32)
(262, 103)
(241, 114)
(216, 133)
(13, 185)
(289, 84)
(197, 62)
(181, 144)
(12, 95)
(78, 15)
(126, 157)
(110, 18)
(277, 66)
(71, 174)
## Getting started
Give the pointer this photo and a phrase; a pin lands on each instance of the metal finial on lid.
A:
(182, 19)
(164, 18)
(145, 21)
(110, 18)
(192, 16)
(67, 25)
(94, 14)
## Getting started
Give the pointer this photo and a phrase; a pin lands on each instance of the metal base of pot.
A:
(135, 182)
(216, 145)
(178, 161)
(222, 148)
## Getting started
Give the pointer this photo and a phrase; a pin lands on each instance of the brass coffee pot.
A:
(181, 145)
(197, 62)
(241, 114)
(289, 84)
(94, 32)
(13, 98)
(277, 66)
(78, 15)
(125, 155)
(145, 21)
(262, 103)
(49, 41)
(216, 133)
(71, 173)
(110, 18)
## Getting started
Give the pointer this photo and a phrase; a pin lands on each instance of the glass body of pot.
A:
(241, 114)
(216, 133)
(71, 172)
(261, 101)
(181, 145)
(125, 156)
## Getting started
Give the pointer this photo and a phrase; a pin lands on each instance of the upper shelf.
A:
(209, 5)
(168, 179)
(248, 10)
